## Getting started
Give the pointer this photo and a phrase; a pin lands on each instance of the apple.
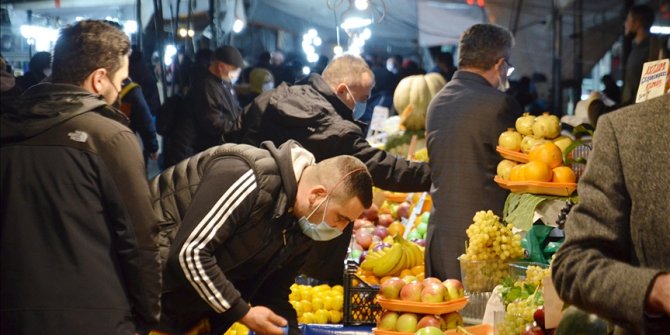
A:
(411, 291)
(356, 254)
(453, 320)
(358, 223)
(363, 238)
(413, 234)
(371, 213)
(361, 258)
(390, 289)
(406, 323)
(422, 228)
(403, 210)
(381, 232)
(429, 331)
(454, 289)
(429, 280)
(433, 292)
(538, 316)
(385, 219)
(420, 242)
(425, 217)
(432, 321)
(388, 321)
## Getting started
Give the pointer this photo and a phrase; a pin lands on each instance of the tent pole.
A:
(557, 99)
(578, 49)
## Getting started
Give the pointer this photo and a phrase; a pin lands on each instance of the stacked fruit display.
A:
(318, 304)
(410, 305)
(490, 248)
(524, 312)
(236, 329)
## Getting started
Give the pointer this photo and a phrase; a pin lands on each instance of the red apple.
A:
(390, 289)
(533, 330)
(385, 220)
(411, 291)
(406, 323)
(372, 213)
(453, 320)
(429, 280)
(454, 289)
(403, 210)
(358, 223)
(381, 232)
(433, 293)
(409, 278)
(431, 321)
(420, 242)
(388, 321)
(538, 316)
(363, 238)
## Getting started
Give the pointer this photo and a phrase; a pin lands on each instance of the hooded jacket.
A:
(77, 247)
(228, 224)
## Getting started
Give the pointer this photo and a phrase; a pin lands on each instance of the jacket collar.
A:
(471, 76)
(317, 82)
(282, 155)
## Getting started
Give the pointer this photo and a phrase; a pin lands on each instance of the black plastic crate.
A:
(360, 301)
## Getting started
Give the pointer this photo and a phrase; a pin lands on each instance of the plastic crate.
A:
(360, 300)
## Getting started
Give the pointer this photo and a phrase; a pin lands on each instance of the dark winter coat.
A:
(77, 247)
(227, 220)
(463, 123)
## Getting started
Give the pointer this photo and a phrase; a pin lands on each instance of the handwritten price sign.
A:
(652, 82)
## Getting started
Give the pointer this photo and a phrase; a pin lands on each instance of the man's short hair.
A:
(85, 46)
(357, 181)
(643, 14)
(346, 69)
(482, 45)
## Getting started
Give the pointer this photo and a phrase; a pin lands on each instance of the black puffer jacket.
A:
(77, 247)
(313, 115)
(227, 221)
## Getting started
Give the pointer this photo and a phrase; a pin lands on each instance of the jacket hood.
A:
(47, 105)
(290, 157)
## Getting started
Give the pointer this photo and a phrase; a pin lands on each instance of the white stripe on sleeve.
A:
(204, 232)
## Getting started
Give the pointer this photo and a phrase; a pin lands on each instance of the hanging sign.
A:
(652, 82)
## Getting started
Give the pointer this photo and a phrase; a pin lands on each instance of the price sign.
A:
(652, 82)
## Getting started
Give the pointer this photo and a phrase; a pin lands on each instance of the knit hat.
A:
(258, 77)
(229, 55)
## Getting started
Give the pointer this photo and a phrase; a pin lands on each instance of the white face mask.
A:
(234, 75)
(267, 86)
(47, 71)
(321, 231)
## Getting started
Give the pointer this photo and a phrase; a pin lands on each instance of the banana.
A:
(400, 265)
(393, 256)
(373, 259)
(418, 254)
(411, 258)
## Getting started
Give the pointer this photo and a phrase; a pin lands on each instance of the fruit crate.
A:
(360, 299)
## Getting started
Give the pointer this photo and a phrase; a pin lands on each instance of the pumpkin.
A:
(412, 96)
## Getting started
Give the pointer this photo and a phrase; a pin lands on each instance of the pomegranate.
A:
(510, 140)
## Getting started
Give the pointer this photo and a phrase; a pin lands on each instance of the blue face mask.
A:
(359, 107)
(321, 231)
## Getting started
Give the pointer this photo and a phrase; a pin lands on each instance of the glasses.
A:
(510, 68)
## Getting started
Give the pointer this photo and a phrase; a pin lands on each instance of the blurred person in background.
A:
(135, 107)
(39, 68)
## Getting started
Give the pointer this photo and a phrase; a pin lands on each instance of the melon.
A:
(412, 96)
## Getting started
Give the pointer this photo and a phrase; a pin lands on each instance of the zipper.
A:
(283, 233)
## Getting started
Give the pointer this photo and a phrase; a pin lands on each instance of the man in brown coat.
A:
(615, 261)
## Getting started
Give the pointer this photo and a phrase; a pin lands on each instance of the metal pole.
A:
(517, 15)
(138, 18)
(212, 25)
(158, 19)
(578, 50)
(557, 99)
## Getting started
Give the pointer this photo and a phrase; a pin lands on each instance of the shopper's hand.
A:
(659, 297)
(263, 321)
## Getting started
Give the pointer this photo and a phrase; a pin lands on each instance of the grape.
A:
(518, 315)
(491, 246)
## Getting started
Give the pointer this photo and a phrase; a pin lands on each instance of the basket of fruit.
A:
(360, 298)
(428, 296)
(399, 323)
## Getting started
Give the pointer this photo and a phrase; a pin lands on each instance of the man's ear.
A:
(316, 193)
(499, 64)
(341, 88)
(94, 81)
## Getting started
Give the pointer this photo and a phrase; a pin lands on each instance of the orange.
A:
(405, 272)
(537, 171)
(563, 174)
(417, 269)
(396, 228)
(548, 153)
(517, 173)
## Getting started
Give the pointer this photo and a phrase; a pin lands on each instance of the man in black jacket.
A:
(320, 113)
(214, 105)
(244, 219)
(77, 247)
